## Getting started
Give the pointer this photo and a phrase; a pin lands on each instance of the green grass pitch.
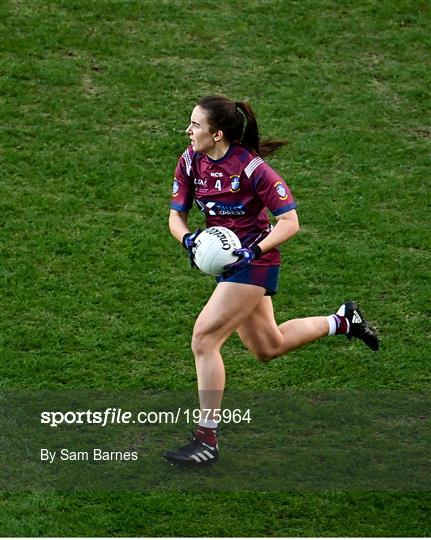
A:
(95, 294)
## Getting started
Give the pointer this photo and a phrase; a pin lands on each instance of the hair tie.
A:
(239, 109)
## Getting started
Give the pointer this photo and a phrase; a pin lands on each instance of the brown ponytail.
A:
(238, 122)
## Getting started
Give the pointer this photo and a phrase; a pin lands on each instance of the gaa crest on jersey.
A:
(281, 190)
(175, 188)
(234, 183)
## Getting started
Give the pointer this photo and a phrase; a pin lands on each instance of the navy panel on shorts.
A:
(262, 276)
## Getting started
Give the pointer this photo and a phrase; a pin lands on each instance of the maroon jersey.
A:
(235, 192)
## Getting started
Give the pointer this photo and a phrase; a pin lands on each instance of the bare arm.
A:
(178, 224)
(287, 226)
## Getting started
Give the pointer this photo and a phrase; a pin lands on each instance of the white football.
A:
(214, 250)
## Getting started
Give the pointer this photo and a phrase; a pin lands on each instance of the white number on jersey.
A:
(217, 185)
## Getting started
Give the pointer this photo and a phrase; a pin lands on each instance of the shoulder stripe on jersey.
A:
(254, 164)
(188, 161)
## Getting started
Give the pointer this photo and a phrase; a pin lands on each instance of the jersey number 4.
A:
(217, 185)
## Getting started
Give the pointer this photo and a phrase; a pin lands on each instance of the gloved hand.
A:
(246, 256)
(189, 244)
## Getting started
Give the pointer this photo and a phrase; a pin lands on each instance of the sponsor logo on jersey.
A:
(281, 190)
(175, 188)
(200, 182)
(221, 209)
(217, 175)
(234, 182)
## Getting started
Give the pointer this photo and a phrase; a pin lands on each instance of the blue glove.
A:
(189, 244)
(246, 256)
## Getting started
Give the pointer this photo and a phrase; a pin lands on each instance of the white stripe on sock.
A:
(332, 325)
(208, 424)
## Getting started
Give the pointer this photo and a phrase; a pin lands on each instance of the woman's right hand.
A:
(189, 243)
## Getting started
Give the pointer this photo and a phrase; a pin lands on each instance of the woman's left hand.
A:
(246, 255)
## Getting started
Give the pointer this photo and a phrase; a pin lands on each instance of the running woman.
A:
(223, 171)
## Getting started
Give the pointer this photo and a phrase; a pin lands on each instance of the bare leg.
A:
(264, 338)
(229, 306)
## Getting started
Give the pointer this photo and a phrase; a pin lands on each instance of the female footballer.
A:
(223, 171)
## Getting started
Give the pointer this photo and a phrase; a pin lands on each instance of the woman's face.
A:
(199, 131)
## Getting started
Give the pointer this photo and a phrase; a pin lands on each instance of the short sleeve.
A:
(183, 185)
(273, 190)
